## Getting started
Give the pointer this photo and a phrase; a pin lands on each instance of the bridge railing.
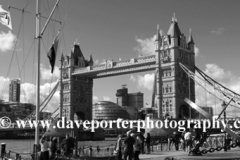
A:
(157, 145)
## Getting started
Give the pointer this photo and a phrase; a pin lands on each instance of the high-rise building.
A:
(14, 90)
(131, 102)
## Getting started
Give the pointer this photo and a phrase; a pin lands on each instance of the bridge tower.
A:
(77, 90)
(175, 85)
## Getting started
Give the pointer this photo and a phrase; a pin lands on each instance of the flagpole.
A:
(38, 36)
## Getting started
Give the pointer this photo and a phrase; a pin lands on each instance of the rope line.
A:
(13, 53)
(194, 76)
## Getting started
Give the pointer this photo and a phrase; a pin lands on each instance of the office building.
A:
(14, 90)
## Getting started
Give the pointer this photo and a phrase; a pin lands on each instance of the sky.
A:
(120, 29)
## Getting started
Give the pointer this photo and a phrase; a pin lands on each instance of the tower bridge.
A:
(172, 83)
(112, 68)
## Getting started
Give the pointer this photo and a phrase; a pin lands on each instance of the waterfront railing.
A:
(98, 152)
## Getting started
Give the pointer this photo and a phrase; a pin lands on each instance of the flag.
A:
(53, 52)
(5, 18)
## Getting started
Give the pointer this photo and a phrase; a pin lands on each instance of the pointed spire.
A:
(76, 42)
(158, 36)
(174, 30)
(190, 39)
(62, 57)
(174, 18)
(161, 33)
(91, 59)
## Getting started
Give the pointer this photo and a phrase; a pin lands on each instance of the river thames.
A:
(26, 145)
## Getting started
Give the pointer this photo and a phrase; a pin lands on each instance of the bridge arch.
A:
(80, 115)
(184, 111)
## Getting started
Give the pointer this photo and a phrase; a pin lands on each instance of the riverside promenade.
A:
(233, 154)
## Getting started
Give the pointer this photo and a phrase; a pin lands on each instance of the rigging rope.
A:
(223, 90)
(194, 76)
(46, 100)
(13, 53)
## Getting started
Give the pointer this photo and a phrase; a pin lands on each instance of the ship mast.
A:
(39, 36)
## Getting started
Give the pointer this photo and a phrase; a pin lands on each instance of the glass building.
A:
(105, 110)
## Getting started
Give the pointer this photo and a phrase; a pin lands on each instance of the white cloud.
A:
(203, 98)
(4, 90)
(219, 31)
(196, 50)
(28, 93)
(7, 41)
(226, 78)
(106, 98)
(46, 72)
(132, 78)
(146, 46)
(95, 99)
(145, 81)
(96, 61)
(104, 61)
(217, 73)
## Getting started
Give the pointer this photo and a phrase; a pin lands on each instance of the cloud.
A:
(104, 61)
(7, 41)
(106, 98)
(226, 78)
(28, 91)
(145, 81)
(132, 78)
(219, 31)
(95, 99)
(203, 98)
(196, 50)
(4, 90)
(146, 46)
(46, 73)
(96, 61)
(217, 73)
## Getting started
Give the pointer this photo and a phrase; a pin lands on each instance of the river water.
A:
(26, 146)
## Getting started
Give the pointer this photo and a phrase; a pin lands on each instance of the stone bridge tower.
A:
(77, 90)
(173, 48)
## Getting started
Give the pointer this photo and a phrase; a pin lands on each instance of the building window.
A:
(167, 89)
(170, 89)
(167, 106)
(170, 74)
(81, 87)
(66, 98)
(170, 104)
(66, 87)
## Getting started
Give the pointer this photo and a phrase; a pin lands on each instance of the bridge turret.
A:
(190, 41)
(77, 58)
(174, 33)
(158, 39)
(90, 62)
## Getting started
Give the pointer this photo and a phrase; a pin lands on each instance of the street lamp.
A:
(224, 117)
